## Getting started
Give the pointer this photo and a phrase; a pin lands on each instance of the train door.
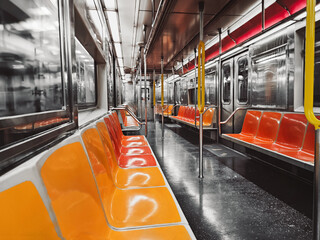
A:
(227, 95)
(177, 99)
(146, 93)
(240, 90)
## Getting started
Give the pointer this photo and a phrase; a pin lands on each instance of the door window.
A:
(226, 83)
(242, 80)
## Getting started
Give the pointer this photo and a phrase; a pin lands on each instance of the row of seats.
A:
(288, 134)
(168, 110)
(96, 184)
(187, 115)
(128, 121)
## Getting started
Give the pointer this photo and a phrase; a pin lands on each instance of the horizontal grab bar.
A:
(130, 112)
(232, 114)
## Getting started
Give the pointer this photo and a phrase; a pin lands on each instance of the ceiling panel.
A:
(179, 36)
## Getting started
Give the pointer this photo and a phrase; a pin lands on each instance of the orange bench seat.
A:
(189, 116)
(285, 134)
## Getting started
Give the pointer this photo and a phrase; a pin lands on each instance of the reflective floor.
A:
(225, 204)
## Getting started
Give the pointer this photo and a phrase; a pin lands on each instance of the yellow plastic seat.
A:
(67, 176)
(23, 214)
(103, 154)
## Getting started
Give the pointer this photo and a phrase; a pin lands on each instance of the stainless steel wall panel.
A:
(269, 73)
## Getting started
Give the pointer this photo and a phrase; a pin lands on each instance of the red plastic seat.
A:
(249, 127)
(129, 160)
(307, 151)
(181, 112)
(268, 128)
(291, 133)
(115, 119)
(124, 142)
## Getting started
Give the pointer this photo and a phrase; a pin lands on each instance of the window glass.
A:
(177, 92)
(85, 76)
(211, 81)
(30, 59)
(242, 80)
(269, 80)
(226, 82)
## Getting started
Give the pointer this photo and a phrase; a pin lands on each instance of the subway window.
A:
(226, 82)
(211, 80)
(30, 75)
(86, 77)
(242, 80)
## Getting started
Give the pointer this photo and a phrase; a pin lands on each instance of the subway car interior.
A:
(159, 119)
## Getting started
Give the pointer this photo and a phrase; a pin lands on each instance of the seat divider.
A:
(282, 114)
(304, 136)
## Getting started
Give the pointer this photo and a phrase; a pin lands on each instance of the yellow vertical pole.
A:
(308, 111)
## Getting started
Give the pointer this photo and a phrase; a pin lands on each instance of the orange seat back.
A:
(106, 139)
(292, 129)
(308, 145)
(71, 187)
(102, 158)
(182, 109)
(192, 113)
(24, 215)
(113, 135)
(187, 112)
(251, 123)
(170, 109)
(207, 117)
(269, 126)
(123, 115)
(114, 118)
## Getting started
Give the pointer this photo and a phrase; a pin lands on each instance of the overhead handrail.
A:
(232, 114)
(308, 111)
(201, 76)
(130, 112)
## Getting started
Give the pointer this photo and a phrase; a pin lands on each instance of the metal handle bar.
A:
(172, 108)
(129, 111)
(232, 114)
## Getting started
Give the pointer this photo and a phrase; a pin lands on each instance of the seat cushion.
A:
(128, 161)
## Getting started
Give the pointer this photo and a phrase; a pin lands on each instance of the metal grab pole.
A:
(162, 118)
(219, 87)
(308, 110)
(201, 62)
(145, 95)
(195, 85)
(154, 96)
(140, 100)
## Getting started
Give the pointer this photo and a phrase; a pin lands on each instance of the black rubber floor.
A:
(227, 203)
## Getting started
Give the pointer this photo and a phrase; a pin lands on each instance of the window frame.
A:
(244, 56)
(19, 151)
(223, 86)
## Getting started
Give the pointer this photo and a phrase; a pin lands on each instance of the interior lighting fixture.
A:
(114, 25)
